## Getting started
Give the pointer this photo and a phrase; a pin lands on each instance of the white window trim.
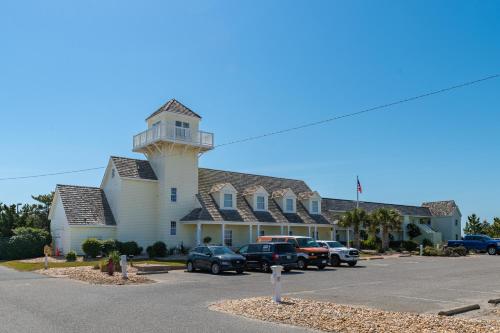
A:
(173, 227)
(224, 200)
(257, 208)
(230, 238)
(172, 194)
(312, 207)
(285, 205)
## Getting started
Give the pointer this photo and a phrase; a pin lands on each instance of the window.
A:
(315, 207)
(456, 223)
(290, 233)
(181, 129)
(112, 173)
(173, 228)
(261, 205)
(289, 205)
(228, 237)
(243, 250)
(261, 233)
(228, 200)
(173, 194)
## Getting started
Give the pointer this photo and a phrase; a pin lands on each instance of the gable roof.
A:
(85, 205)
(441, 208)
(133, 168)
(176, 107)
(341, 205)
(209, 210)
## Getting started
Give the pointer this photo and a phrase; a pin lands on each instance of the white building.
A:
(167, 197)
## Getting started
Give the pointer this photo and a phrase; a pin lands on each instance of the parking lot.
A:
(179, 301)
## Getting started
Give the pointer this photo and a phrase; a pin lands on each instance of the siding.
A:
(59, 227)
(80, 233)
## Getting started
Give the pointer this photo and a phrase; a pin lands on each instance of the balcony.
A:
(173, 134)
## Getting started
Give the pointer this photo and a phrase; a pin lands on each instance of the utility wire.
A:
(256, 137)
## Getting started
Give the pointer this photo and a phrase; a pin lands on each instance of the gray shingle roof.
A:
(340, 205)
(85, 205)
(441, 208)
(133, 168)
(175, 107)
(207, 178)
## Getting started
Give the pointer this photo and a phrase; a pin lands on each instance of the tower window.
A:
(173, 194)
(228, 200)
(173, 228)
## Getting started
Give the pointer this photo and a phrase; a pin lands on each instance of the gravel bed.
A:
(95, 276)
(331, 317)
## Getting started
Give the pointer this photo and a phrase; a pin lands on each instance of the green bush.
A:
(413, 230)
(426, 242)
(26, 243)
(431, 251)
(158, 249)
(409, 246)
(41, 234)
(129, 248)
(71, 256)
(371, 243)
(92, 247)
(455, 251)
(109, 245)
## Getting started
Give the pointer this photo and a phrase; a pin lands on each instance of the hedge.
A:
(26, 243)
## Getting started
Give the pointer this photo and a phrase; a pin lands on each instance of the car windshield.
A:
(334, 244)
(221, 250)
(307, 242)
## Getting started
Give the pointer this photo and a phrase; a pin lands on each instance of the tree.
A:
(372, 226)
(8, 219)
(389, 220)
(473, 226)
(354, 219)
(494, 228)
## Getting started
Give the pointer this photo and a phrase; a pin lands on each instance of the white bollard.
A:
(421, 249)
(46, 261)
(276, 281)
(123, 265)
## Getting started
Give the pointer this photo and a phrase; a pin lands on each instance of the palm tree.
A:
(354, 219)
(372, 225)
(388, 220)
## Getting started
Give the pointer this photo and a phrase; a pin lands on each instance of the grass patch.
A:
(29, 266)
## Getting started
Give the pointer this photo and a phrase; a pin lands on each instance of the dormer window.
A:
(261, 202)
(228, 200)
(289, 205)
(315, 207)
(285, 198)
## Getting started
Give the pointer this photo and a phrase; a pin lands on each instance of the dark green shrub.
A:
(23, 246)
(431, 251)
(413, 230)
(40, 234)
(109, 245)
(426, 242)
(71, 256)
(129, 248)
(150, 252)
(160, 249)
(455, 251)
(207, 240)
(371, 243)
(92, 247)
(395, 245)
(409, 246)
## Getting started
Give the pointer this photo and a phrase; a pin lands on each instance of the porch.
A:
(237, 234)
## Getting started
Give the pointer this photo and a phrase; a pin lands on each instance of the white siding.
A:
(59, 227)
(112, 188)
(80, 233)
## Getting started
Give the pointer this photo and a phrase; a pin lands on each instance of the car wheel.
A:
(265, 267)
(335, 261)
(301, 264)
(352, 263)
(239, 271)
(215, 268)
(492, 251)
(190, 266)
(320, 267)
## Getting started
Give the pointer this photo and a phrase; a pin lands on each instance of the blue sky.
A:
(78, 79)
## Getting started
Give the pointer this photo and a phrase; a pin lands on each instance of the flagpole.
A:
(357, 192)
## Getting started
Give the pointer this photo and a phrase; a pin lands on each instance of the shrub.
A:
(426, 242)
(409, 245)
(71, 256)
(150, 252)
(41, 234)
(413, 230)
(455, 251)
(26, 243)
(431, 251)
(160, 249)
(109, 245)
(129, 248)
(207, 240)
(395, 245)
(92, 247)
(371, 243)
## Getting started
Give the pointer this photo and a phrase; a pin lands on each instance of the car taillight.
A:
(276, 257)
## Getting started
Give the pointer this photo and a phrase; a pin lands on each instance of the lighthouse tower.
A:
(172, 144)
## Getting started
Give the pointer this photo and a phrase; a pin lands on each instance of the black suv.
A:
(264, 255)
(215, 259)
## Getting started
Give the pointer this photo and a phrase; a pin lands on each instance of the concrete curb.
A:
(494, 301)
(371, 258)
(459, 310)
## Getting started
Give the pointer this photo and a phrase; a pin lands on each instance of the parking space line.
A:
(427, 299)
(332, 288)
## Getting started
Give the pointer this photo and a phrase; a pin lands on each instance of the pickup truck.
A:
(481, 243)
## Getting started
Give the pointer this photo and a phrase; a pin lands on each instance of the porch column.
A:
(332, 233)
(309, 230)
(348, 235)
(315, 232)
(281, 229)
(198, 233)
(250, 233)
(288, 230)
(258, 230)
(223, 229)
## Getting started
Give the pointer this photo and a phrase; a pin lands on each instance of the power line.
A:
(256, 137)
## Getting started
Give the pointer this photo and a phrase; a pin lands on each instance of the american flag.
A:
(360, 189)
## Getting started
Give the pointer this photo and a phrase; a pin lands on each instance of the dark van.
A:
(264, 255)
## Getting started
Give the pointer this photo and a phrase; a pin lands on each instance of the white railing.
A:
(167, 132)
